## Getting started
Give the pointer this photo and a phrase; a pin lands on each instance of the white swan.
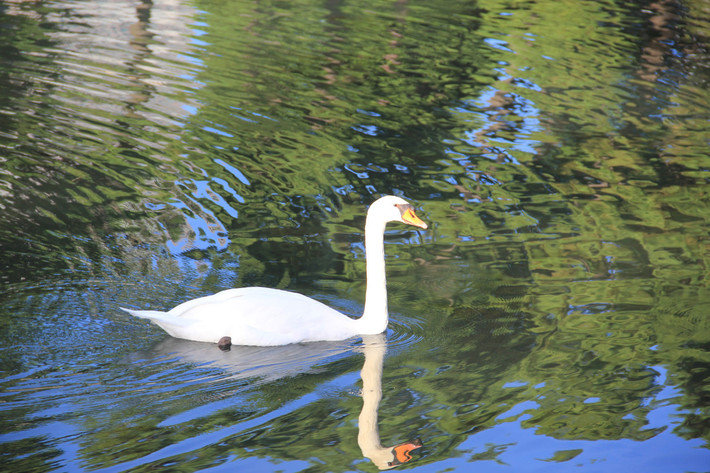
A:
(267, 317)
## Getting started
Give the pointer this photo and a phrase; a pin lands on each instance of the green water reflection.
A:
(556, 314)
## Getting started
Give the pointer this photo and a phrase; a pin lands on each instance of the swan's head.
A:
(391, 208)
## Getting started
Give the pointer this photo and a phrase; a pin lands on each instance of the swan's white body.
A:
(267, 317)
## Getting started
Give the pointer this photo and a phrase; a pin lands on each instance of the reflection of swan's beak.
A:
(402, 453)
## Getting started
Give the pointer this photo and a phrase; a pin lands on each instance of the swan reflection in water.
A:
(272, 363)
(374, 347)
(261, 364)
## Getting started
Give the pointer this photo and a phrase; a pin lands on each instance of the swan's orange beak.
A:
(403, 452)
(411, 218)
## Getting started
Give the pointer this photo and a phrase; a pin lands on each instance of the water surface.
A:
(554, 316)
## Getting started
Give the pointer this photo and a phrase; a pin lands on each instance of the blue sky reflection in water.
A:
(554, 317)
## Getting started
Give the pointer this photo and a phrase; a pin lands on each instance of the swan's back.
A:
(254, 316)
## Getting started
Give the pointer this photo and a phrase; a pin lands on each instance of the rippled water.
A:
(554, 316)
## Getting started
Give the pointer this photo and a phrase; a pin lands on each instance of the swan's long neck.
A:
(374, 318)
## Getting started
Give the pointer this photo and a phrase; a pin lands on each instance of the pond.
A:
(555, 315)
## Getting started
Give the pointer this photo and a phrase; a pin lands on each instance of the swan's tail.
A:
(164, 320)
(143, 314)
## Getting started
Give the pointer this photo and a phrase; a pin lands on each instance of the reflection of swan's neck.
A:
(368, 437)
(374, 318)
